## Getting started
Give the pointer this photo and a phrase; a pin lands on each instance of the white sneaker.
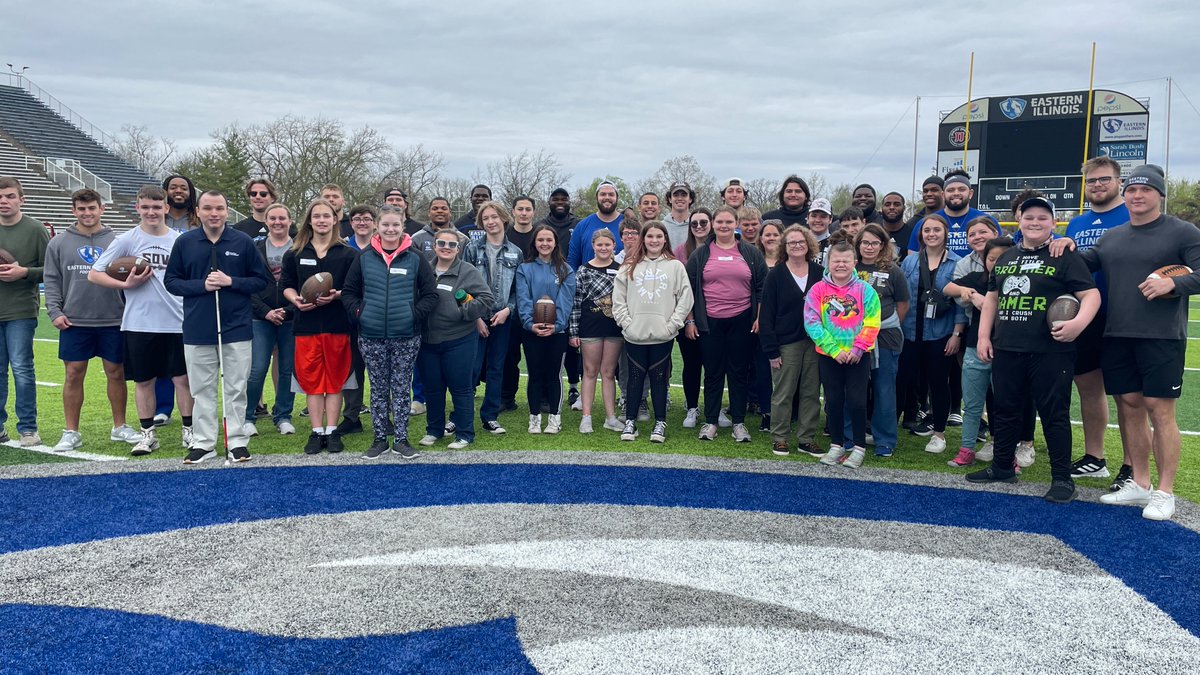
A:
(161, 420)
(585, 424)
(1161, 506)
(30, 439)
(689, 420)
(427, 440)
(856, 457)
(723, 420)
(248, 429)
(834, 457)
(553, 424)
(578, 404)
(535, 424)
(187, 437)
(708, 432)
(935, 445)
(613, 424)
(147, 443)
(416, 408)
(869, 440)
(285, 428)
(125, 434)
(984, 454)
(1024, 454)
(71, 440)
(740, 433)
(659, 434)
(458, 444)
(1131, 494)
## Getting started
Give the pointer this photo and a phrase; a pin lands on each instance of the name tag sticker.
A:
(306, 261)
(725, 258)
(399, 270)
(445, 287)
(612, 272)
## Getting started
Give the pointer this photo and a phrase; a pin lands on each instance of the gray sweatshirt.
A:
(69, 258)
(1127, 254)
(449, 320)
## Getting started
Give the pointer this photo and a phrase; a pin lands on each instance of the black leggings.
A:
(726, 349)
(649, 360)
(845, 390)
(926, 357)
(693, 360)
(543, 360)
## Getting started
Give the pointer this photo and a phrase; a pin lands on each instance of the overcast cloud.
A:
(752, 89)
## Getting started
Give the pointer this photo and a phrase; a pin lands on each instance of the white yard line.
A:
(74, 454)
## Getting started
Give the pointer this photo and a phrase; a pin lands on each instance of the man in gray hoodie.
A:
(87, 316)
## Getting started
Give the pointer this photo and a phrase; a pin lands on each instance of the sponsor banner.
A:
(1039, 106)
(1128, 155)
(1124, 128)
(1106, 102)
(949, 160)
(979, 112)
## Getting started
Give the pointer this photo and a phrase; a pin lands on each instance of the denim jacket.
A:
(508, 260)
(934, 329)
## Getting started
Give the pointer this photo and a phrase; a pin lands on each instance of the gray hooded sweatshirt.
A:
(69, 258)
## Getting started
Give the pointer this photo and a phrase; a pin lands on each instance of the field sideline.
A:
(909, 456)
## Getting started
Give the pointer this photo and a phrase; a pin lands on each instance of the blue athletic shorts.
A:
(80, 343)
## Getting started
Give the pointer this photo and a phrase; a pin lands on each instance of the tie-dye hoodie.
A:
(842, 318)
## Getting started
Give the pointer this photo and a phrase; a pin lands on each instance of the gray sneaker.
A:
(125, 434)
(71, 440)
(708, 432)
(855, 459)
(147, 442)
(740, 433)
(30, 439)
(187, 437)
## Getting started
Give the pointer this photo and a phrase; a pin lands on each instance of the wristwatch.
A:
(956, 334)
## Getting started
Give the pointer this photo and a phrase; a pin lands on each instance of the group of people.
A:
(930, 319)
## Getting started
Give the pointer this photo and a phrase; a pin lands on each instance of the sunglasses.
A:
(446, 243)
(700, 223)
(259, 193)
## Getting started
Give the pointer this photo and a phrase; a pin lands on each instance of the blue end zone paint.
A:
(1158, 560)
(73, 639)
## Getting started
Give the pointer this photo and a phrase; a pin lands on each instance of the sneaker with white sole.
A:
(855, 458)
(161, 420)
(629, 432)
(198, 455)
(30, 439)
(147, 442)
(416, 408)
(248, 429)
(690, 418)
(1089, 467)
(740, 433)
(964, 457)
(723, 420)
(285, 428)
(1024, 454)
(1124, 475)
(585, 424)
(1161, 506)
(834, 456)
(553, 424)
(493, 427)
(935, 445)
(71, 440)
(613, 424)
(659, 434)
(954, 419)
(985, 452)
(535, 424)
(578, 404)
(239, 455)
(125, 434)
(459, 444)
(1131, 494)
(187, 437)
(708, 432)
(427, 440)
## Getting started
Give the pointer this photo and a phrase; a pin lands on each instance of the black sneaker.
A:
(752, 408)
(1061, 492)
(197, 455)
(954, 420)
(1089, 467)
(304, 411)
(990, 475)
(4, 436)
(240, 454)
(779, 448)
(572, 396)
(405, 450)
(377, 448)
(982, 436)
(811, 449)
(508, 406)
(492, 427)
(315, 444)
(260, 411)
(765, 423)
(922, 428)
(1123, 476)
(334, 443)
(349, 425)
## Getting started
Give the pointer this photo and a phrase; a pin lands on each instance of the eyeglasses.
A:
(796, 244)
(869, 243)
(631, 233)
(362, 220)
(259, 193)
(446, 243)
(700, 223)
(1099, 180)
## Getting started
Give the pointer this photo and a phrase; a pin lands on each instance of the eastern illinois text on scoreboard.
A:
(1037, 140)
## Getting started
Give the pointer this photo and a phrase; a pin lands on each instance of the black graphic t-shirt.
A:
(978, 282)
(1027, 282)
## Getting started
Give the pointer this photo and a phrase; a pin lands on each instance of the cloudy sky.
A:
(752, 89)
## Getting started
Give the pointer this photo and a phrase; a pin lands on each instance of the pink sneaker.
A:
(964, 457)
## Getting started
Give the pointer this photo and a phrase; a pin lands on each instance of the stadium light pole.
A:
(19, 73)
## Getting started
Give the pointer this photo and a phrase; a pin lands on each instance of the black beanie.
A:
(1148, 174)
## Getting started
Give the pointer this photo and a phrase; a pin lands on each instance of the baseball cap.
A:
(560, 191)
(679, 185)
(821, 204)
(733, 181)
(1038, 201)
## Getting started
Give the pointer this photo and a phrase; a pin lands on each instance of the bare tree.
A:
(414, 170)
(456, 190)
(529, 174)
(683, 168)
(140, 148)
(763, 193)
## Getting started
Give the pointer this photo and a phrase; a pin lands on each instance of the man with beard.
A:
(957, 212)
(648, 207)
(181, 203)
(933, 200)
(680, 197)
(560, 218)
(865, 199)
(892, 213)
(793, 203)
(606, 215)
(466, 222)
(733, 193)
(399, 198)
(262, 193)
(332, 193)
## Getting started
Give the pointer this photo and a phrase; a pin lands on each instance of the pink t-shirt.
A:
(726, 283)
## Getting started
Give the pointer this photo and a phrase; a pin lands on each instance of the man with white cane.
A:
(216, 270)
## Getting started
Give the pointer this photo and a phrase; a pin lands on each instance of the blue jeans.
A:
(418, 390)
(883, 388)
(449, 365)
(495, 348)
(268, 336)
(976, 378)
(16, 349)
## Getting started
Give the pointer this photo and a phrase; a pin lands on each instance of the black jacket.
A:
(781, 320)
(695, 270)
(298, 267)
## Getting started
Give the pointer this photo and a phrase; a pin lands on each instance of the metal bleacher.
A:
(45, 200)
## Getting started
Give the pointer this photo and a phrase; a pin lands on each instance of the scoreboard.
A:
(1037, 140)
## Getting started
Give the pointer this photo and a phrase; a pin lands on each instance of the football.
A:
(317, 285)
(1169, 271)
(6, 258)
(1062, 309)
(121, 268)
(544, 310)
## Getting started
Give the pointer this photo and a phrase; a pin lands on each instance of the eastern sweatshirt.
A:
(69, 258)
(651, 307)
(26, 240)
(192, 258)
(842, 318)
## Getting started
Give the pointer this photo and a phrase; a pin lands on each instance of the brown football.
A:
(544, 310)
(1169, 271)
(121, 268)
(1061, 309)
(315, 286)
(6, 258)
